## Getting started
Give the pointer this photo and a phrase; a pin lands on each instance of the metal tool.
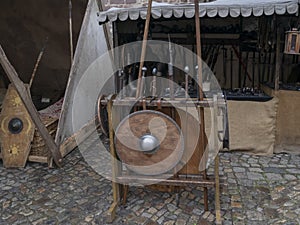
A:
(170, 69)
(153, 85)
(143, 85)
(225, 64)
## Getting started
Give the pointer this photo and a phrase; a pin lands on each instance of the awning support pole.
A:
(144, 46)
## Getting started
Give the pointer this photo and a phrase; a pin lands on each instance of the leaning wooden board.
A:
(15, 141)
(26, 99)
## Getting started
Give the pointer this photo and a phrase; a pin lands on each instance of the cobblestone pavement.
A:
(257, 190)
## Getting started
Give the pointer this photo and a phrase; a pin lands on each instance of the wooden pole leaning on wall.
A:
(37, 63)
(144, 48)
(71, 32)
(26, 99)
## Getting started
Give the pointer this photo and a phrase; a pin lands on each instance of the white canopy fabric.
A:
(222, 8)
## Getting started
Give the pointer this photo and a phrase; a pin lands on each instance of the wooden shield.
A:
(138, 125)
(17, 130)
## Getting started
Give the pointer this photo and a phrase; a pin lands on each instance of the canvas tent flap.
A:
(85, 78)
(222, 8)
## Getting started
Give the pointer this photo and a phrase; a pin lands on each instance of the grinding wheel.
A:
(149, 142)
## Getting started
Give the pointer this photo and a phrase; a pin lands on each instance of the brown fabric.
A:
(288, 122)
(252, 126)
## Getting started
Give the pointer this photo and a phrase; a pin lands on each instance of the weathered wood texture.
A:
(26, 99)
(15, 147)
(77, 138)
(158, 125)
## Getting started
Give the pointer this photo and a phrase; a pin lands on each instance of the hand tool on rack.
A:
(231, 69)
(143, 84)
(246, 69)
(170, 69)
(253, 69)
(241, 62)
(224, 64)
(153, 83)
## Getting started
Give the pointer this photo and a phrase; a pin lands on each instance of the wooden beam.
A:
(144, 49)
(26, 99)
(77, 138)
(201, 96)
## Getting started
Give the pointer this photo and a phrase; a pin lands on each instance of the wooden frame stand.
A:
(122, 177)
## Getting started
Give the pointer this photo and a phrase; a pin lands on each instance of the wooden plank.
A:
(201, 97)
(40, 159)
(15, 145)
(176, 182)
(166, 102)
(76, 139)
(114, 162)
(26, 99)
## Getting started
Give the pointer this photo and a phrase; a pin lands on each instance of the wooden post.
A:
(111, 214)
(201, 109)
(71, 33)
(26, 99)
(144, 48)
(278, 59)
(216, 169)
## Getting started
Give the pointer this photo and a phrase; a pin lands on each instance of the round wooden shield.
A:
(149, 142)
(102, 117)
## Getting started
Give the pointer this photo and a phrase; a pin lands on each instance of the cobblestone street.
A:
(257, 190)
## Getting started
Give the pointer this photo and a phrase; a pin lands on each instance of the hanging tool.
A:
(259, 71)
(170, 69)
(224, 64)
(211, 56)
(264, 68)
(186, 71)
(241, 62)
(231, 69)
(215, 58)
(269, 65)
(253, 69)
(246, 69)
(153, 83)
(143, 85)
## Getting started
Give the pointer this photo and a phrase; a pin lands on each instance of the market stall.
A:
(243, 44)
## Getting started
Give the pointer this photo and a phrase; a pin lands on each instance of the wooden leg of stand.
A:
(125, 191)
(111, 214)
(205, 192)
(217, 192)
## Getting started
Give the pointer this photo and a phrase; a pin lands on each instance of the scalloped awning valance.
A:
(222, 8)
